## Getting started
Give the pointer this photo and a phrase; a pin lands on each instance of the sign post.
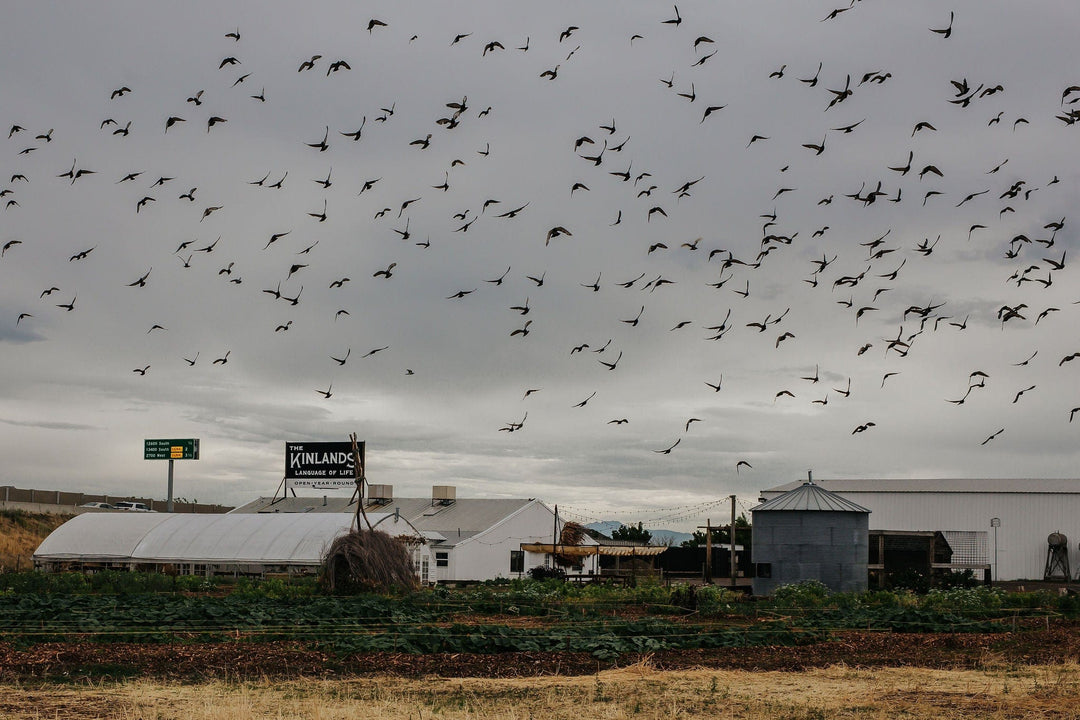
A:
(158, 449)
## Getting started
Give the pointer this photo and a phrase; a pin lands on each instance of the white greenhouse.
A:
(205, 544)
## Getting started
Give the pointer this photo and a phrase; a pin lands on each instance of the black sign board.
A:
(322, 464)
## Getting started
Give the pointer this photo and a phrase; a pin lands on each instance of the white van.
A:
(131, 506)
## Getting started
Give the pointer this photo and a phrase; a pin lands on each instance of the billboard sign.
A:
(322, 464)
(186, 449)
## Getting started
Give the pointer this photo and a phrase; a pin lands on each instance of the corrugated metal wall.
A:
(1026, 520)
(832, 547)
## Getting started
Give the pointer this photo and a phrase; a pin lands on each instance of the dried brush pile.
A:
(572, 534)
(367, 561)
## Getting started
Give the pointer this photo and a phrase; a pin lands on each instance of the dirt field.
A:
(1058, 642)
(639, 691)
(1028, 674)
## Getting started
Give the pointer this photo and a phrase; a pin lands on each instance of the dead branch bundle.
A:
(367, 561)
(572, 534)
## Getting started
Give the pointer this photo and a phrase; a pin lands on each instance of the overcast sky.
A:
(704, 272)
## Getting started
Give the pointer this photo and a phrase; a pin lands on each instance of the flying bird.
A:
(945, 32)
(667, 450)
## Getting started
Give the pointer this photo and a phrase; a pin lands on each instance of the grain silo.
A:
(810, 533)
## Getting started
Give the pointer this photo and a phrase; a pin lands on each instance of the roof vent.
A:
(443, 494)
(380, 494)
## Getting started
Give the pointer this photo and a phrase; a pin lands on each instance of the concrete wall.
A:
(832, 547)
(59, 502)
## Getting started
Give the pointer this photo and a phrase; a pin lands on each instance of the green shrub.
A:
(1068, 603)
(715, 600)
(911, 579)
(805, 594)
(957, 578)
(977, 598)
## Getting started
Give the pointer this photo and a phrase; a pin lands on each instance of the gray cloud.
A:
(431, 403)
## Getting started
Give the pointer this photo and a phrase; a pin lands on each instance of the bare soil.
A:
(1055, 642)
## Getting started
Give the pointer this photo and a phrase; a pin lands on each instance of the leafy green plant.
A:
(959, 599)
(805, 594)
(715, 600)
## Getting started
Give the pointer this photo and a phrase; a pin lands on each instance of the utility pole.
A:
(734, 572)
(708, 550)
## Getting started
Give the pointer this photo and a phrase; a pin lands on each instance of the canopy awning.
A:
(588, 550)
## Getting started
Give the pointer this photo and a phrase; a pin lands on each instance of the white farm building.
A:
(469, 539)
(1001, 523)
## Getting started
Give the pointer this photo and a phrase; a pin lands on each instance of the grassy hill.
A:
(21, 533)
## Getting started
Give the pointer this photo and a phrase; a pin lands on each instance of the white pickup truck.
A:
(131, 506)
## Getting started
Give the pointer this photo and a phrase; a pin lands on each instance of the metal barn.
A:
(1001, 522)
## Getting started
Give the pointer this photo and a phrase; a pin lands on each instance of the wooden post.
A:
(734, 572)
(358, 471)
(554, 538)
(708, 550)
(881, 559)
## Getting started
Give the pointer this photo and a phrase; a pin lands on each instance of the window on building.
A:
(764, 570)
(442, 559)
(517, 561)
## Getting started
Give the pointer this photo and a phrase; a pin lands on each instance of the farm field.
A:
(637, 691)
(143, 645)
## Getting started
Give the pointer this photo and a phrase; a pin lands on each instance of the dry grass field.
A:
(635, 692)
(20, 535)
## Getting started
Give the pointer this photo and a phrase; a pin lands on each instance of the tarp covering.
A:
(588, 550)
(279, 539)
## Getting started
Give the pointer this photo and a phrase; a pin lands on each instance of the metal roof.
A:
(809, 497)
(455, 521)
(943, 485)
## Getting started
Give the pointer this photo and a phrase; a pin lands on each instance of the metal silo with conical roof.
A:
(810, 533)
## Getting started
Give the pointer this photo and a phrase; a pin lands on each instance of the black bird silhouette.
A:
(387, 273)
(322, 145)
(676, 21)
(141, 282)
(946, 32)
(586, 400)
(667, 450)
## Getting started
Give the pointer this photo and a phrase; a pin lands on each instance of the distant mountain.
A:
(605, 526)
(659, 537)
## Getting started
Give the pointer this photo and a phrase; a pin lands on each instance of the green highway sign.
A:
(187, 449)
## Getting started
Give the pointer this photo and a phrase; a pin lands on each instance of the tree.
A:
(630, 533)
(720, 535)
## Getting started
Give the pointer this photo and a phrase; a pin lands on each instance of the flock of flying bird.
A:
(860, 275)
